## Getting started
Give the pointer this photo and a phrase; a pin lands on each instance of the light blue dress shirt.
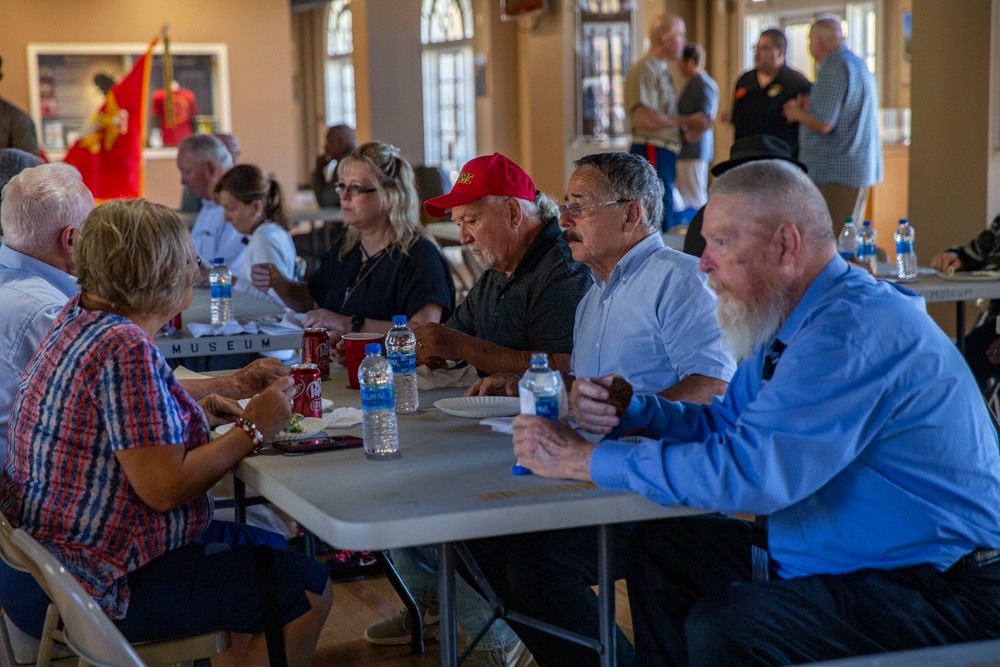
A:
(843, 96)
(214, 237)
(32, 294)
(870, 446)
(653, 323)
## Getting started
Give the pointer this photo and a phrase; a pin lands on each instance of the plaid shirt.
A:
(97, 385)
(843, 96)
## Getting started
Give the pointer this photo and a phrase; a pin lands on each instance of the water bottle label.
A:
(222, 291)
(403, 362)
(377, 397)
(547, 407)
(904, 247)
(848, 255)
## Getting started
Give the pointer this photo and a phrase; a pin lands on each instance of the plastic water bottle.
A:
(221, 282)
(867, 248)
(378, 425)
(847, 242)
(906, 251)
(541, 390)
(401, 348)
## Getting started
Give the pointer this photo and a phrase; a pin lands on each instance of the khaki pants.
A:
(843, 201)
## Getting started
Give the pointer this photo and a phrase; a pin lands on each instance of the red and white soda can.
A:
(316, 350)
(307, 394)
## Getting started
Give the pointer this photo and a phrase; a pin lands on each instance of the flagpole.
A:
(168, 78)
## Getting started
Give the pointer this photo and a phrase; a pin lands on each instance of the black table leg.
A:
(606, 594)
(446, 588)
(417, 626)
(239, 500)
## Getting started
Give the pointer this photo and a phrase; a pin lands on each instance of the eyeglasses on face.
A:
(355, 190)
(574, 210)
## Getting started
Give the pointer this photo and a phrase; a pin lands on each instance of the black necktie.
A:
(758, 551)
(771, 360)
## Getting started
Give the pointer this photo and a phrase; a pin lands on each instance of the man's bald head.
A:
(825, 35)
(667, 37)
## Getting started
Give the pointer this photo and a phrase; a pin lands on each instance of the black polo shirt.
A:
(534, 309)
(758, 110)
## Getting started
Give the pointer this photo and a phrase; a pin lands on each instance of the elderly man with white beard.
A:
(852, 425)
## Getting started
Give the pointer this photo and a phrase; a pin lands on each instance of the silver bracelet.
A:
(251, 430)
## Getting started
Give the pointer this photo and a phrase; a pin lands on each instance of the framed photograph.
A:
(68, 84)
(52, 134)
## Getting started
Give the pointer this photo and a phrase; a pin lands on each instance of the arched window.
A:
(603, 60)
(449, 90)
(340, 105)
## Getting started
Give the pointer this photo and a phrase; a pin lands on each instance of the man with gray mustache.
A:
(526, 299)
(649, 317)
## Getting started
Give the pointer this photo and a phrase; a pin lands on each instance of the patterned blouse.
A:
(97, 385)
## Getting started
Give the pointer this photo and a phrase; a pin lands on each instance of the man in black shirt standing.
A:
(762, 92)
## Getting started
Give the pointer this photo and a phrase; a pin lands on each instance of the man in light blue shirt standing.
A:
(853, 423)
(838, 131)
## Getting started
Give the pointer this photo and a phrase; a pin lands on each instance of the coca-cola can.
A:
(175, 322)
(307, 393)
(316, 350)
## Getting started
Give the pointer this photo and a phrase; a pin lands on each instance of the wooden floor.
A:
(359, 604)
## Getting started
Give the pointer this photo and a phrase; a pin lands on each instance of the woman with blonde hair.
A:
(255, 205)
(110, 461)
(386, 264)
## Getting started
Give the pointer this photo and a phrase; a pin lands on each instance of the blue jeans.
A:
(417, 567)
(548, 576)
(693, 603)
(665, 163)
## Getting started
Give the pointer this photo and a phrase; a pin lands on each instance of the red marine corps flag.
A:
(109, 155)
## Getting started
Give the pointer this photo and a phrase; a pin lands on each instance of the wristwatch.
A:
(357, 323)
(251, 429)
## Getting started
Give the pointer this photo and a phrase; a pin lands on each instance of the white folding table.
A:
(183, 344)
(453, 483)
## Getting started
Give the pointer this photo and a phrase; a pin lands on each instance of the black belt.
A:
(977, 558)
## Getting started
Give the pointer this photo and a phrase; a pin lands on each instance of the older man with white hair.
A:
(852, 425)
(43, 209)
(838, 131)
(202, 159)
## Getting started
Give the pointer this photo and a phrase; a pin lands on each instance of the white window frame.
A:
(448, 85)
(338, 70)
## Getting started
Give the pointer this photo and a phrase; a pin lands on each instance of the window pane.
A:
(604, 59)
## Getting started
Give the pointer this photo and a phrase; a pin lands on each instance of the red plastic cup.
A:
(354, 350)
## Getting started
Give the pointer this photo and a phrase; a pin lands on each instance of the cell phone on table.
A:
(318, 444)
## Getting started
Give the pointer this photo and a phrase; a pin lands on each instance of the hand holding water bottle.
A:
(551, 449)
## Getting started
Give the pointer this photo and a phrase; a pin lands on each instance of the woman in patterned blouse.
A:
(110, 461)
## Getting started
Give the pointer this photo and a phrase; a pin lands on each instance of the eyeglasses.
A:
(575, 209)
(355, 190)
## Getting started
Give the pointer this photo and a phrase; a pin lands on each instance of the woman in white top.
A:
(255, 205)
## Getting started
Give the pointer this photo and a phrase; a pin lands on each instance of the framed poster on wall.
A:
(68, 82)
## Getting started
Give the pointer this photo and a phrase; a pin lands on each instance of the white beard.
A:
(745, 326)
(484, 256)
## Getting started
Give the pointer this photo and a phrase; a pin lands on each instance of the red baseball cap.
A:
(481, 177)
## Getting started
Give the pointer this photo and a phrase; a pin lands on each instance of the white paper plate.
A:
(327, 404)
(310, 425)
(972, 276)
(480, 407)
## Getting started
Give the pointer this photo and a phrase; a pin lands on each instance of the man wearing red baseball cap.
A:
(526, 299)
